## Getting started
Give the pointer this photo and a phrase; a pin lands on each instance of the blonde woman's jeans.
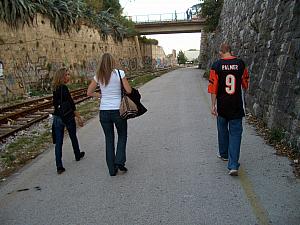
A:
(109, 119)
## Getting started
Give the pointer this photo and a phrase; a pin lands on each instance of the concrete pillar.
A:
(202, 50)
(139, 55)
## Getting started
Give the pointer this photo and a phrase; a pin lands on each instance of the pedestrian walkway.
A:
(174, 174)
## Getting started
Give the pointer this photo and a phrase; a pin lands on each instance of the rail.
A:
(162, 18)
(21, 116)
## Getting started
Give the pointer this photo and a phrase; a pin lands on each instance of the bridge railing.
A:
(159, 18)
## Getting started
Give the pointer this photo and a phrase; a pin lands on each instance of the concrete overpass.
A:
(170, 27)
(174, 24)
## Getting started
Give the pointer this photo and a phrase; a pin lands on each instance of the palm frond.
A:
(17, 12)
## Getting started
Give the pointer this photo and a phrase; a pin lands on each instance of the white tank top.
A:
(111, 94)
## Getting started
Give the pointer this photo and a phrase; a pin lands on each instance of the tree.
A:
(96, 5)
(113, 7)
(181, 58)
(211, 10)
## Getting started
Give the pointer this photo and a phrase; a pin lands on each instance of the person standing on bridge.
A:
(187, 14)
(191, 14)
(61, 95)
(109, 80)
(227, 76)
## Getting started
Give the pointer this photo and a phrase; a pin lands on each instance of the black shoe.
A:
(114, 173)
(81, 155)
(60, 170)
(122, 168)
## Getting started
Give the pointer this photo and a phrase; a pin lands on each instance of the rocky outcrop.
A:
(266, 34)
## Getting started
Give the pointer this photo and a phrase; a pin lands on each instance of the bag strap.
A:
(61, 92)
(122, 86)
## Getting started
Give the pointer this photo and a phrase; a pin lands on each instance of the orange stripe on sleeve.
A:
(245, 79)
(213, 82)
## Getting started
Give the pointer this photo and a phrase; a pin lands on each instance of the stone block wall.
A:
(32, 54)
(266, 34)
(155, 57)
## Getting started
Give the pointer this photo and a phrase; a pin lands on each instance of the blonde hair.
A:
(225, 48)
(58, 78)
(106, 66)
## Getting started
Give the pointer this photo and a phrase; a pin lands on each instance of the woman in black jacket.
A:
(64, 116)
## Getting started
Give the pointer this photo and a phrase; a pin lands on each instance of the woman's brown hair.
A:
(107, 65)
(58, 78)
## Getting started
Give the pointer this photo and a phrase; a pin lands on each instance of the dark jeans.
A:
(59, 128)
(109, 118)
(229, 137)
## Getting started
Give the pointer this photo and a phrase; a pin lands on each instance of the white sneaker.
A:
(220, 157)
(233, 173)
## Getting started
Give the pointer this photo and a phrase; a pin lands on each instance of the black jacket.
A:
(135, 96)
(62, 94)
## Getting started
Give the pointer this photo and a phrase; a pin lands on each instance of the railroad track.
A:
(21, 116)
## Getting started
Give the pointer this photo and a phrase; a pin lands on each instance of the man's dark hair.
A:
(225, 47)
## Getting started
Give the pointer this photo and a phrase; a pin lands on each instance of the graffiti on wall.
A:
(151, 62)
(27, 74)
(129, 64)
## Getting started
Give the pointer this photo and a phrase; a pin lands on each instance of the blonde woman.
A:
(61, 95)
(109, 80)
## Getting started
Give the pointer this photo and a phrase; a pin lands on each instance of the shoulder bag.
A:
(128, 108)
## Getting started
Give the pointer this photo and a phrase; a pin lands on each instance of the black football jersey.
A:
(229, 93)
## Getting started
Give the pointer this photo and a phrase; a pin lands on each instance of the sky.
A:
(167, 41)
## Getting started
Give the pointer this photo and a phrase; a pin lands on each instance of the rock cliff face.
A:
(266, 35)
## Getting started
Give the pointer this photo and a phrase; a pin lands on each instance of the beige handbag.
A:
(128, 108)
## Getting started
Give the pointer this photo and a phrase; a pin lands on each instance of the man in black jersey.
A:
(227, 76)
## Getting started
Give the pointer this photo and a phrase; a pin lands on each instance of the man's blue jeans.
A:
(109, 118)
(229, 137)
(59, 128)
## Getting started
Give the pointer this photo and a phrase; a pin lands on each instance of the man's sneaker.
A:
(122, 168)
(233, 172)
(222, 158)
(81, 155)
(60, 170)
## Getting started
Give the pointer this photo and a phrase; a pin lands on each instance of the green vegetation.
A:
(206, 74)
(22, 150)
(113, 7)
(211, 10)
(74, 86)
(65, 15)
(181, 58)
(149, 41)
(276, 135)
(138, 81)
(27, 147)
(96, 5)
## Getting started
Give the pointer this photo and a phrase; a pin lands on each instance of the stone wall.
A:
(154, 57)
(266, 34)
(32, 54)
